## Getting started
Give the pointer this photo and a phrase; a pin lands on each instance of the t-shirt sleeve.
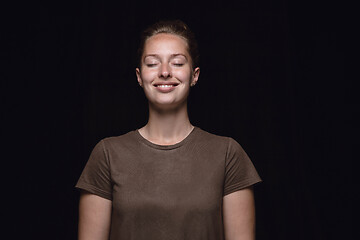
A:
(96, 177)
(239, 170)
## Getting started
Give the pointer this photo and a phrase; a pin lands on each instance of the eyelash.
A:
(175, 64)
(178, 64)
(151, 65)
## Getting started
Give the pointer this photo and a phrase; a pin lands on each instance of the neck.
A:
(167, 127)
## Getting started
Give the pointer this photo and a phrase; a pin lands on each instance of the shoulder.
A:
(125, 140)
(217, 140)
(228, 144)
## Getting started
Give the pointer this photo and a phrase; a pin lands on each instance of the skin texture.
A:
(239, 215)
(166, 61)
(94, 217)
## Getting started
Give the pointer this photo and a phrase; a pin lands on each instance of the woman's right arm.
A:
(94, 217)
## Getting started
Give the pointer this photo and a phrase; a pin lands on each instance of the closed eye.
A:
(178, 64)
(151, 64)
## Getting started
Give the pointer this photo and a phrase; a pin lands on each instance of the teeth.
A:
(165, 86)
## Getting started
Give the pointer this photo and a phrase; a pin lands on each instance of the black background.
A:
(272, 77)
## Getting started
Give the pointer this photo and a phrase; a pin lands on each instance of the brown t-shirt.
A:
(167, 192)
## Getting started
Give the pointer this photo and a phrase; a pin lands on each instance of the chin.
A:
(168, 105)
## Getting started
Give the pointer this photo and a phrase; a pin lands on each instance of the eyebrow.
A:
(171, 56)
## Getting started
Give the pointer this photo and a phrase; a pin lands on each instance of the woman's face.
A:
(166, 71)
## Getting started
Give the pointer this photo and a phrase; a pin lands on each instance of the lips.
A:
(165, 86)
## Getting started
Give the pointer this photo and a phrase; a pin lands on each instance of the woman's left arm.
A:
(239, 215)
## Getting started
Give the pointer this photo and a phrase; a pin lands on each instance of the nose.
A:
(165, 71)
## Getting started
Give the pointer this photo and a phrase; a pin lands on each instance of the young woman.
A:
(168, 179)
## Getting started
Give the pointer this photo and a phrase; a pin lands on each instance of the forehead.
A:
(165, 42)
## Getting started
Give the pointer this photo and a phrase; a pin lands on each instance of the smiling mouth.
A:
(168, 85)
(165, 86)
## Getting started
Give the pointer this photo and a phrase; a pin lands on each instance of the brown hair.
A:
(176, 27)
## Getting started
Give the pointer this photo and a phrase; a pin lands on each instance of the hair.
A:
(176, 27)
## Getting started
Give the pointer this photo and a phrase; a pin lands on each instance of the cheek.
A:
(147, 75)
(184, 75)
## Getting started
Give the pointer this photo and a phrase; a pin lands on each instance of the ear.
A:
(195, 77)
(138, 76)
